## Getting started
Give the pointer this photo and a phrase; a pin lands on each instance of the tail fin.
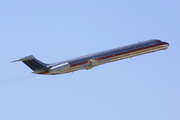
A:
(32, 62)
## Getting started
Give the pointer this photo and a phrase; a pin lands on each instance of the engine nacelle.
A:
(58, 68)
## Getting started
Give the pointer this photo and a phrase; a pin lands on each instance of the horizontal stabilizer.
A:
(30, 57)
(32, 62)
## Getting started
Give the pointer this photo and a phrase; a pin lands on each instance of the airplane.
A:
(89, 61)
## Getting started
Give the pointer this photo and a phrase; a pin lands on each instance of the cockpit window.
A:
(158, 41)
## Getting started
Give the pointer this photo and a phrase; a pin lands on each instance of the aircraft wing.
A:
(92, 63)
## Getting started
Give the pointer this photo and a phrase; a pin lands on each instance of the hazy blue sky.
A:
(142, 88)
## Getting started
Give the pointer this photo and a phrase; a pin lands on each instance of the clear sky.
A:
(146, 87)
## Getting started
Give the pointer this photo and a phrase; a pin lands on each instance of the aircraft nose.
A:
(166, 45)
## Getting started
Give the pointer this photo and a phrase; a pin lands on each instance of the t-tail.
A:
(33, 63)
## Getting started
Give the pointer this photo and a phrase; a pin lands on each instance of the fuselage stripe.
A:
(135, 50)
